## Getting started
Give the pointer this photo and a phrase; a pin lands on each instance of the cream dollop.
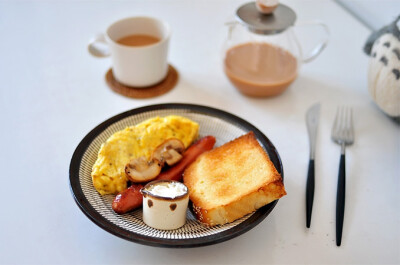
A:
(168, 189)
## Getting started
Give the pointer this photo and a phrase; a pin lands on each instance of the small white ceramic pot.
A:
(165, 204)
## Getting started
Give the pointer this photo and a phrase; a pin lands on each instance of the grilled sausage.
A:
(175, 173)
(128, 199)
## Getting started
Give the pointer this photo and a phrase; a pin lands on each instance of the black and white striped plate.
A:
(224, 126)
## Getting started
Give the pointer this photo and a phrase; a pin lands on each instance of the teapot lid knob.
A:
(279, 18)
(266, 6)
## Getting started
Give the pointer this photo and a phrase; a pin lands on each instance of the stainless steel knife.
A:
(312, 119)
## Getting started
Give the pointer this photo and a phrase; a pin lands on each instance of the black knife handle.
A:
(340, 199)
(310, 191)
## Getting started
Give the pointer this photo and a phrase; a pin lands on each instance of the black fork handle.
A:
(310, 191)
(340, 199)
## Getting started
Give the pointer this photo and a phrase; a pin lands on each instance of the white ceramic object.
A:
(165, 204)
(136, 66)
(383, 47)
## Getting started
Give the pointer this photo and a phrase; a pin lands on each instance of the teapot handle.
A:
(231, 25)
(321, 45)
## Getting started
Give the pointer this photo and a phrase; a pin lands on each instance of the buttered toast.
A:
(231, 181)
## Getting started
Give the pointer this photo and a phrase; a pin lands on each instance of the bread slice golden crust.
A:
(232, 180)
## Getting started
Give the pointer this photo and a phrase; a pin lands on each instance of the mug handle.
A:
(98, 47)
(320, 46)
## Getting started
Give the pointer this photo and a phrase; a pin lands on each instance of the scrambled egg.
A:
(108, 172)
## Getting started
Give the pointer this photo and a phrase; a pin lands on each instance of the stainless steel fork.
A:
(342, 134)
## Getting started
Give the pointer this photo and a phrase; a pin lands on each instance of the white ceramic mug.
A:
(136, 66)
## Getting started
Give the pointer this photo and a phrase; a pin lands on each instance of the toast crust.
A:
(232, 180)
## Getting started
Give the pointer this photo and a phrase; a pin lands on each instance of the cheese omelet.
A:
(108, 172)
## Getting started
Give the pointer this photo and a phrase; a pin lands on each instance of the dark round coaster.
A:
(163, 87)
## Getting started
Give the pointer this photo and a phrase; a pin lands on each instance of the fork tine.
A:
(349, 118)
(347, 130)
(346, 122)
(351, 128)
(342, 119)
(336, 123)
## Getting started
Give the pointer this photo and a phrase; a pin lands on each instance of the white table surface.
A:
(53, 93)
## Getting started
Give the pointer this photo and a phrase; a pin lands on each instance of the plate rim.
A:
(110, 227)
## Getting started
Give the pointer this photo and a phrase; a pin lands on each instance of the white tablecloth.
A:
(53, 93)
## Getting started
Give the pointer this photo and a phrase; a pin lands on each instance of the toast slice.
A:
(232, 181)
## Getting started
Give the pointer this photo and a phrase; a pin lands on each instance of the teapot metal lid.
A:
(282, 18)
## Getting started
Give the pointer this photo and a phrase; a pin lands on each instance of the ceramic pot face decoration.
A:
(383, 47)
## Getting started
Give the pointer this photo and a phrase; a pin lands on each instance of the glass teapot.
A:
(262, 54)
